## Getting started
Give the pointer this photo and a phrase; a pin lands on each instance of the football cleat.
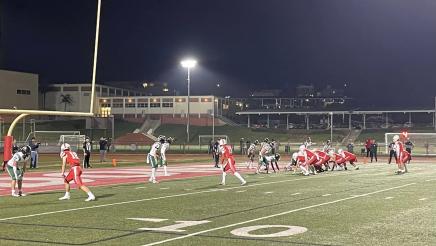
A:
(64, 198)
(90, 198)
(244, 183)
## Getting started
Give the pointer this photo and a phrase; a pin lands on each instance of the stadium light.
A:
(188, 64)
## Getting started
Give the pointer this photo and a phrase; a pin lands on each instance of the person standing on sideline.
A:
(70, 157)
(86, 153)
(103, 149)
(216, 153)
(368, 147)
(409, 146)
(373, 150)
(34, 153)
(391, 149)
(350, 148)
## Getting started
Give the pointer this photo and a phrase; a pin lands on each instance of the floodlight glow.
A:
(188, 63)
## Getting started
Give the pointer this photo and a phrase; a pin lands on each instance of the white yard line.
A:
(161, 197)
(275, 215)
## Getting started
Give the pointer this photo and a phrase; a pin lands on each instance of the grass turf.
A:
(371, 206)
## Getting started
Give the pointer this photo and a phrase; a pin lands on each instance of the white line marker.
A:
(240, 191)
(268, 192)
(423, 199)
(165, 188)
(298, 193)
(163, 197)
(388, 198)
(275, 215)
(148, 219)
(141, 187)
(327, 195)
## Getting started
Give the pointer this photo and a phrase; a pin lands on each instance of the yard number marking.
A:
(290, 230)
(170, 228)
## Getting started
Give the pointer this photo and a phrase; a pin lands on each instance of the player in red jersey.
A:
(70, 157)
(310, 158)
(348, 156)
(228, 162)
(401, 153)
(338, 160)
(323, 160)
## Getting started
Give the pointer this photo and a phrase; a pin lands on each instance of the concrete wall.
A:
(15, 89)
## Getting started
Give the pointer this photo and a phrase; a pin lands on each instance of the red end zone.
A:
(52, 181)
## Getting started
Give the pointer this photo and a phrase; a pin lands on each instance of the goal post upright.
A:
(23, 113)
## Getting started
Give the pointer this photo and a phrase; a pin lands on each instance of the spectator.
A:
(391, 149)
(241, 143)
(210, 149)
(34, 153)
(109, 144)
(350, 148)
(273, 145)
(87, 152)
(368, 147)
(103, 149)
(15, 147)
(373, 150)
(216, 153)
(409, 146)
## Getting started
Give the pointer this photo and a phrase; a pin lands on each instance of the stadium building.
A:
(18, 90)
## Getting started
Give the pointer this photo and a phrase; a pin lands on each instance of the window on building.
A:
(193, 100)
(86, 88)
(155, 105)
(206, 99)
(23, 92)
(167, 102)
(118, 92)
(180, 100)
(117, 105)
(71, 88)
(111, 92)
(86, 94)
(130, 105)
(125, 93)
(142, 105)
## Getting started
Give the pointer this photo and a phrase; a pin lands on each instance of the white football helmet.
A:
(223, 141)
(302, 147)
(294, 156)
(65, 146)
(340, 151)
(396, 138)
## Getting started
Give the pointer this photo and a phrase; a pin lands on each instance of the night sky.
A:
(385, 50)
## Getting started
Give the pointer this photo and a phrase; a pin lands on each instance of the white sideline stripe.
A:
(423, 199)
(268, 192)
(240, 191)
(389, 197)
(158, 198)
(275, 215)
(327, 195)
(298, 193)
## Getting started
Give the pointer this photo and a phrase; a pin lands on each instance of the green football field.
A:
(370, 206)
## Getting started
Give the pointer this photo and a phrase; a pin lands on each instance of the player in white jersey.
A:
(251, 154)
(163, 149)
(152, 158)
(14, 171)
(265, 150)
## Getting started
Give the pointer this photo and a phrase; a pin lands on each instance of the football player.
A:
(401, 155)
(350, 157)
(163, 149)
(72, 159)
(228, 162)
(15, 172)
(251, 153)
(153, 156)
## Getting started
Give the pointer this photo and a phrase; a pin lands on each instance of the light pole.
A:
(331, 127)
(188, 63)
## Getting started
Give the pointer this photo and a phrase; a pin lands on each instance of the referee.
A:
(87, 153)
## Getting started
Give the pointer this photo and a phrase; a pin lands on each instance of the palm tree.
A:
(66, 100)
